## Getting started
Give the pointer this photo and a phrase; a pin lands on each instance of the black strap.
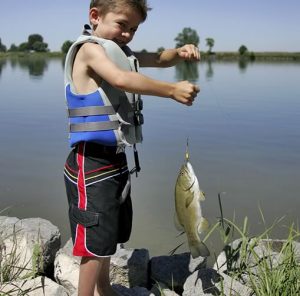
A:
(137, 167)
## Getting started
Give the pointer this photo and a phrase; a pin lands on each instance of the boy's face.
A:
(117, 26)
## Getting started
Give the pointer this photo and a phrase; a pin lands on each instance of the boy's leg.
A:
(94, 277)
(103, 286)
(88, 273)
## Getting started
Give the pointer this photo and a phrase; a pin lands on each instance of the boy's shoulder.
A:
(91, 50)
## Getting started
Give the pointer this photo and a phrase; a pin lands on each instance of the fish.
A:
(188, 212)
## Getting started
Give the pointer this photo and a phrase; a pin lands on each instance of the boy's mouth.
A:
(120, 43)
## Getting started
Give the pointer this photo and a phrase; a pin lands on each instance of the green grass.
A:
(269, 267)
(53, 54)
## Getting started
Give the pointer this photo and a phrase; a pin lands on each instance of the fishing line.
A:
(217, 99)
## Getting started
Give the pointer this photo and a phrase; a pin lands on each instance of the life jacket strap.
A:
(137, 167)
(94, 126)
(91, 111)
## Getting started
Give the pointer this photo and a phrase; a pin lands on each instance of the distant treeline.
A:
(252, 56)
(35, 44)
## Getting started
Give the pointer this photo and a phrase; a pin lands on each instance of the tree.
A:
(34, 38)
(23, 46)
(187, 36)
(2, 47)
(210, 42)
(66, 45)
(160, 50)
(13, 48)
(243, 50)
(39, 46)
(36, 43)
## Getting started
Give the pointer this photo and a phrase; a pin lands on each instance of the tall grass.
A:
(269, 267)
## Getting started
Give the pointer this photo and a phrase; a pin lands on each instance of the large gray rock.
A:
(209, 282)
(174, 270)
(136, 291)
(31, 244)
(66, 267)
(160, 289)
(33, 287)
(129, 267)
(250, 255)
(229, 258)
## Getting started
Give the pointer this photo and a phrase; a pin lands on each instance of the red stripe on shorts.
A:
(79, 248)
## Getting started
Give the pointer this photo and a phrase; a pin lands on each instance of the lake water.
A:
(244, 140)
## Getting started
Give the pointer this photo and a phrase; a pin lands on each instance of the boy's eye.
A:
(121, 25)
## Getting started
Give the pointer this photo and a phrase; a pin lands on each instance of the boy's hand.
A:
(189, 52)
(185, 92)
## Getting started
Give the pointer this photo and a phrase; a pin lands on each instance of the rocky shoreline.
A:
(42, 267)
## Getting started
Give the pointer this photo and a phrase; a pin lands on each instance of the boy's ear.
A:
(94, 15)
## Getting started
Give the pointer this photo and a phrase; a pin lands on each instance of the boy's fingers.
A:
(196, 88)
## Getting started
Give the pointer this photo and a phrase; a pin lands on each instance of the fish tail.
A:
(199, 249)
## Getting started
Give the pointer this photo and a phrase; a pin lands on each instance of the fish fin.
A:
(202, 195)
(178, 225)
(199, 249)
(203, 225)
(189, 200)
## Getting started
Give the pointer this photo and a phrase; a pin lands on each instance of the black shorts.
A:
(98, 189)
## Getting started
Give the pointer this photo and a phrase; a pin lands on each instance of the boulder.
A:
(136, 291)
(129, 267)
(250, 255)
(174, 270)
(33, 287)
(209, 282)
(66, 267)
(160, 289)
(29, 245)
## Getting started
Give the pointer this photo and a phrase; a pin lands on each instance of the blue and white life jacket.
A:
(108, 116)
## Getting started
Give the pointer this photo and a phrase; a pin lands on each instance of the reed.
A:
(269, 267)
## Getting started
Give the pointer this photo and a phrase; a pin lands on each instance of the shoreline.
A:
(218, 56)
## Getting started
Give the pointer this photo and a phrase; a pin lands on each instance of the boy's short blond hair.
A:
(113, 5)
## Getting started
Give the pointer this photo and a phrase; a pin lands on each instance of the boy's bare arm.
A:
(97, 61)
(168, 57)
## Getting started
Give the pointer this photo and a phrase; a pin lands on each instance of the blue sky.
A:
(261, 25)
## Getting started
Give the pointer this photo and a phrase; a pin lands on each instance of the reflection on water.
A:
(243, 131)
(36, 65)
(209, 71)
(187, 71)
(2, 65)
(243, 63)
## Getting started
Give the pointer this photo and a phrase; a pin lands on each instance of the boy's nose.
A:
(126, 34)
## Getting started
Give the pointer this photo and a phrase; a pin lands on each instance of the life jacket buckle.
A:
(138, 118)
(139, 104)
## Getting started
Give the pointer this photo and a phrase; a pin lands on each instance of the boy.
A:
(102, 92)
